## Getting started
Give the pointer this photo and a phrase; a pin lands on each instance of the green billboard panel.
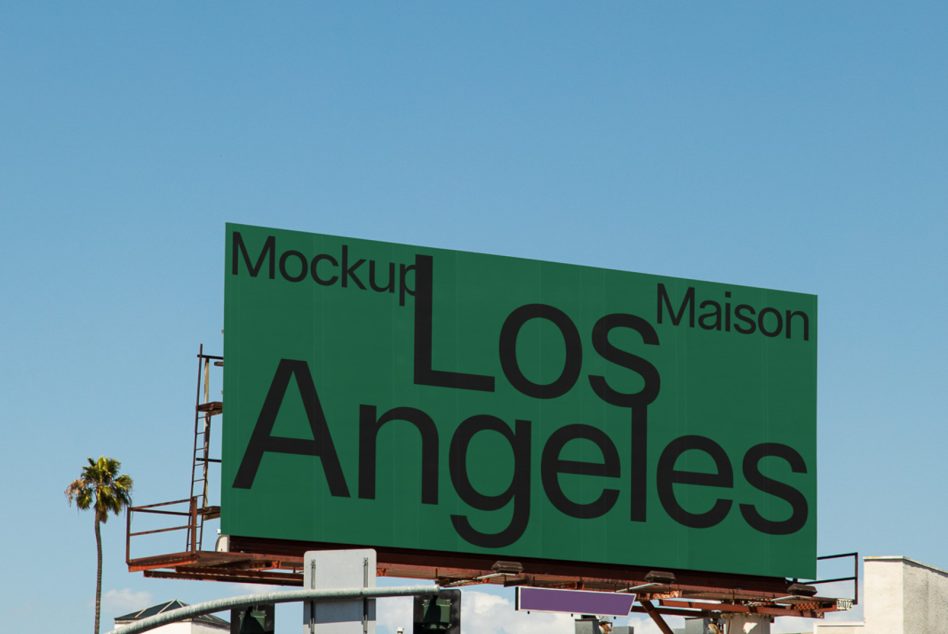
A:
(399, 396)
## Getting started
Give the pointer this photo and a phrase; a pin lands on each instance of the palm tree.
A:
(99, 487)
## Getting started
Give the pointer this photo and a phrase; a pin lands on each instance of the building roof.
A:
(174, 604)
(907, 560)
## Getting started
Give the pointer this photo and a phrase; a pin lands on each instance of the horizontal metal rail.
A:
(839, 556)
(153, 512)
(812, 583)
(160, 530)
(151, 506)
(285, 596)
(854, 578)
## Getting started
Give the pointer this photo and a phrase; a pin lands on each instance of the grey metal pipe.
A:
(285, 596)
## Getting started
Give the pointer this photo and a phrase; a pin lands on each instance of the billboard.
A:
(392, 395)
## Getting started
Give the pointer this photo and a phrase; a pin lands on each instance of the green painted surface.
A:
(516, 493)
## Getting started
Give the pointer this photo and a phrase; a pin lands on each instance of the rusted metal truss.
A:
(682, 593)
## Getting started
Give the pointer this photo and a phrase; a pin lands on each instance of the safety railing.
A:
(190, 525)
(854, 578)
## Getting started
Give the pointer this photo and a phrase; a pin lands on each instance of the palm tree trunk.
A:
(98, 573)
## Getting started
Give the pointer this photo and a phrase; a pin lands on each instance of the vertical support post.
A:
(197, 396)
(365, 602)
(205, 459)
(309, 609)
(192, 515)
(207, 379)
(855, 578)
(128, 535)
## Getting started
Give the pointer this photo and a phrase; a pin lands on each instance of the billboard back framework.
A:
(399, 396)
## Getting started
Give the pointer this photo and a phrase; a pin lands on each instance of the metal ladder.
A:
(204, 411)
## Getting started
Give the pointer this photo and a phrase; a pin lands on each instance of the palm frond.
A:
(100, 486)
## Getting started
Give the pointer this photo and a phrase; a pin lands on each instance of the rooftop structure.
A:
(205, 624)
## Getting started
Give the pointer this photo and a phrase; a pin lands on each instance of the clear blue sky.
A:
(792, 145)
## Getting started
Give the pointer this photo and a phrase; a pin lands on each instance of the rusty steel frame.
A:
(692, 594)
(685, 593)
(154, 510)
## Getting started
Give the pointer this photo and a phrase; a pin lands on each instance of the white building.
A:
(207, 624)
(901, 596)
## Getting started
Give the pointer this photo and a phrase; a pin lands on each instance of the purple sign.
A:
(574, 601)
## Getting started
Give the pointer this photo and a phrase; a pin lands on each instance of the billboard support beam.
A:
(652, 612)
